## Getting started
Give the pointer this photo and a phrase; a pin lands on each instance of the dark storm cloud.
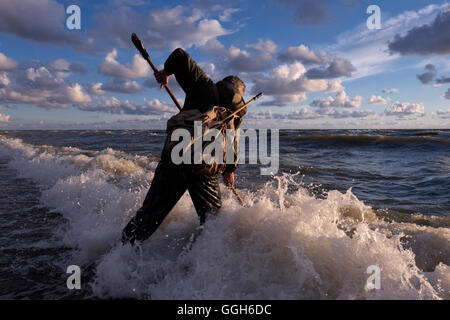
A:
(442, 80)
(41, 21)
(429, 75)
(338, 68)
(428, 39)
(447, 94)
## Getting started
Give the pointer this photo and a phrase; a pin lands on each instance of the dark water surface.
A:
(400, 173)
(406, 170)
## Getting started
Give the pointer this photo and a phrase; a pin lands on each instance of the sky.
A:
(317, 62)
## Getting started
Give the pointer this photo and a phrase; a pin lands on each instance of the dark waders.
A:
(169, 184)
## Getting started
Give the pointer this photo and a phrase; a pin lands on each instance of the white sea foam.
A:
(285, 244)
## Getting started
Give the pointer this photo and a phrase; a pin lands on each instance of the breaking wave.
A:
(285, 244)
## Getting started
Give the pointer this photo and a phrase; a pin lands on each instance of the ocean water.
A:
(343, 200)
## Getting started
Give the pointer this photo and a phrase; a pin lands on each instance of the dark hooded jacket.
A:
(201, 92)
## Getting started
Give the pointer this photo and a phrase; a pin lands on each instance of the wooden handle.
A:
(138, 44)
(237, 195)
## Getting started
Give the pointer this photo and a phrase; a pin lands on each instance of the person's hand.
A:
(161, 77)
(228, 179)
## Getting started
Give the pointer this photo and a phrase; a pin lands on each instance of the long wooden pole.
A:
(138, 44)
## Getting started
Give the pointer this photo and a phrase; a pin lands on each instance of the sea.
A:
(344, 207)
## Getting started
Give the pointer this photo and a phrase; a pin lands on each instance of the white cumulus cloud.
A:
(7, 63)
(373, 99)
(405, 109)
(304, 55)
(139, 68)
(4, 118)
(341, 100)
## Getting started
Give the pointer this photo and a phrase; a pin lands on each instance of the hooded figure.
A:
(170, 181)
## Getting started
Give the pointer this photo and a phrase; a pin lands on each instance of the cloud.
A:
(174, 86)
(96, 89)
(433, 38)
(258, 57)
(308, 12)
(442, 80)
(7, 63)
(60, 68)
(342, 114)
(214, 47)
(111, 67)
(282, 100)
(4, 118)
(226, 14)
(306, 114)
(156, 106)
(37, 78)
(368, 49)
(264, 46)
(166, 28)
(390, 90)
(405, 109)
(444, 114)
(115, 106)
(76, 94)
(301, 114)
(429, 75)
(4, 80)
(338, 68)
(303, 55)
(376, 100)
(287, 84)
(117, 85)
(333, 86)
(447, 94)
(63, 68)
(42, 22)
(210, 69)
(341, 100)
(42, 87)
(106, 104)
(121, 86)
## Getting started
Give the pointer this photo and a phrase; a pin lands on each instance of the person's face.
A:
(242, 92)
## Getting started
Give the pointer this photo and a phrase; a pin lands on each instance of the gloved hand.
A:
(161, 77)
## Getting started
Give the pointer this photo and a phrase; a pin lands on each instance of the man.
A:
(171, 181)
